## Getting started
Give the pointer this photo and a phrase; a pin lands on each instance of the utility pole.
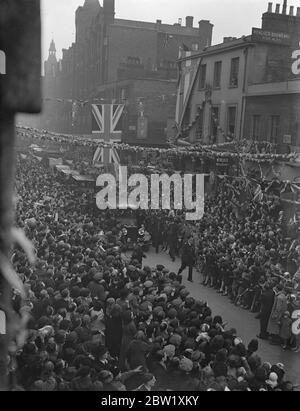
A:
(20, 92)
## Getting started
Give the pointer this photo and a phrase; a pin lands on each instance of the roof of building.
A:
(89, 3)
(217, 48)
(168, 28)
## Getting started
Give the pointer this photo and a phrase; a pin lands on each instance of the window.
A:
(275, 124)
(195, 46)
(234, 72)
(199, 126)
(2, 62)
(231, 123)
(217, 74)
(202, 76)
(142, 128)
(256, 127)
(215, 122)
(133, 61)
(123, 94)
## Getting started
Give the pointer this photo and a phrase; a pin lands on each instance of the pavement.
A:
(242, 320)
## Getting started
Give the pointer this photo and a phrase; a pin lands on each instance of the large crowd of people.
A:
(102, 322)
(252, 259)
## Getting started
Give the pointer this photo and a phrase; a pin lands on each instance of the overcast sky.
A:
(230, 17)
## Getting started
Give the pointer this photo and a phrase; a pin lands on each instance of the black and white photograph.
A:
(149, 198)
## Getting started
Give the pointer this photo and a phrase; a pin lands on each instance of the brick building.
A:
(244, 88)
(272, 98)
(119, 60)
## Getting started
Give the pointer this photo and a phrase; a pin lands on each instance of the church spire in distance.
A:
(52, 49)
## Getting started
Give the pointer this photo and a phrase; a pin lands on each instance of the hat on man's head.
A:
(105, 375)
(197, 356)
(175, 340)
(84, 371)
(172, 313)
(148, 284)
(98, 277)
(177, 303)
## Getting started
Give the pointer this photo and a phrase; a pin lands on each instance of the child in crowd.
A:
(285, 332)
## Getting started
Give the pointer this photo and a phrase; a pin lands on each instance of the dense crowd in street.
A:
(101, 322)
(254, 260)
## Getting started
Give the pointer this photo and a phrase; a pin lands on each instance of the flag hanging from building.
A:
(75, 110)
(142, 128)
(107, 127)
(184, 47)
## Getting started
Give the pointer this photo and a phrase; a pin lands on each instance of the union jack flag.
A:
(107, 127)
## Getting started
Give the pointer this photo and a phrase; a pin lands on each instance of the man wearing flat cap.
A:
(188, 258)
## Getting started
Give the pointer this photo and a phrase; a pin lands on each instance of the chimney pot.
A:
(270, 7)
(158, 21)
(284, 7)
(189, 21)
(291, 10)
(298, 11)
(203, 23)
(228, 39)
(277, 11)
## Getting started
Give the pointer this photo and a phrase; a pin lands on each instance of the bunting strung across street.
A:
(253, 187)
(82, 103)
(195, 152)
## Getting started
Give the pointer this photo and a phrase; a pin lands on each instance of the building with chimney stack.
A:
(244, 88)
(116, 60)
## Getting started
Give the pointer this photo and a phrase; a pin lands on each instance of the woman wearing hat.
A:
(128, 332)
(279, 308)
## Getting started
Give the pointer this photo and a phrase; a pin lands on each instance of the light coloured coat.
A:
(279, 308)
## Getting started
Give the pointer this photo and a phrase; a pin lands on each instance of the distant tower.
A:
(51, 63)
(52, 49)
(84, 17)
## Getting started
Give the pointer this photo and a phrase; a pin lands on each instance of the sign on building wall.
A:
(222, 162)
(287, 139)
(265, 36)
